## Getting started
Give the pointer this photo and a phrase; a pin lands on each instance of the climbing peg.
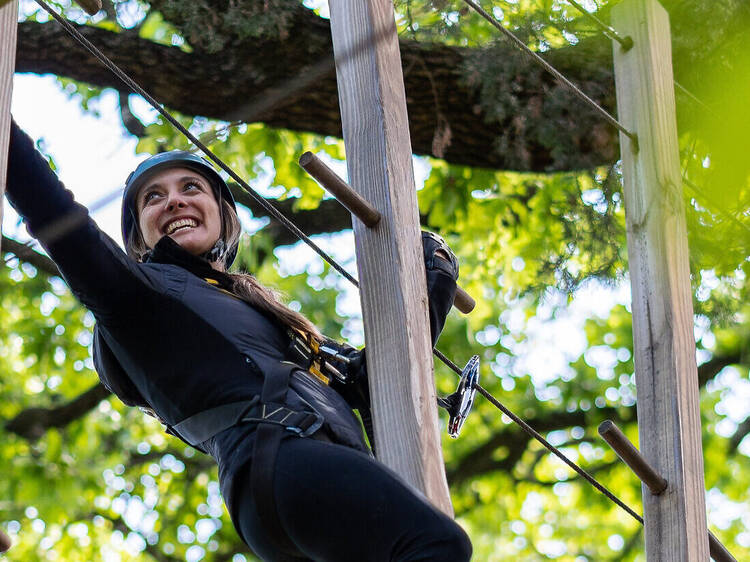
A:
(5, 541)
(91, 7)
(652, 479)
(349, 198)
(362, 209)
(632, 457)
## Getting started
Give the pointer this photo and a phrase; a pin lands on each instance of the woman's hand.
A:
(441, 268)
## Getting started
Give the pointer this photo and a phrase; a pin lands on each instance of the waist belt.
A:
(202, 426)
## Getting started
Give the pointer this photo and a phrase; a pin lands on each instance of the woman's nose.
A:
(175, 201)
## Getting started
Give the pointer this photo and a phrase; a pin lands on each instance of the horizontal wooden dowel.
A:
(463, 301)
(359, 207)
(632, 457)
(91, 7)
(349, 198)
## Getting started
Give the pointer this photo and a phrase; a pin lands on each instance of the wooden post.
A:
(8, 29)
(665, 366)
(389, 256)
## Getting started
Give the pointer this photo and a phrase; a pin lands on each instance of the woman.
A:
(229, 369)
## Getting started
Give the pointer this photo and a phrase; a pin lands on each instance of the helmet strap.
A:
(217, 252)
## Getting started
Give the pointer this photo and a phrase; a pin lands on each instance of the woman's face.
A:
(179, 203)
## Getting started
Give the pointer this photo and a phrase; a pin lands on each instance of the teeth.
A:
(180, 224)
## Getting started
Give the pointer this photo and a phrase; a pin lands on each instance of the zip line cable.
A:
(293, 228)
(552, 70)
(626, 42)
(547, 445)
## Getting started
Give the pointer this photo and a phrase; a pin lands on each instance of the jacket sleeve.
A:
(98, 272)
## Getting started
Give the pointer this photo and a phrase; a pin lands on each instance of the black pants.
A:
(337, 504)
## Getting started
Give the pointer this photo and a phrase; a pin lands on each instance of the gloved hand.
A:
(355, 390)
(441, 267)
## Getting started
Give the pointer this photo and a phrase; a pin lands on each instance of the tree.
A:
(523, 181)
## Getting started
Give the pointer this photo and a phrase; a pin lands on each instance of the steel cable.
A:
(553, 71)
(293, 228)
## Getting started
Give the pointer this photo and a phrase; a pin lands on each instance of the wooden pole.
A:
(8, 28)
(665, 366)
(389, 256)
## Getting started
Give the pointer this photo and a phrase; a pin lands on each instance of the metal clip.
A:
(463, 399)
(331, 353)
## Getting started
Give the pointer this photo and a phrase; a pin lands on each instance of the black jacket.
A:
(165, 338)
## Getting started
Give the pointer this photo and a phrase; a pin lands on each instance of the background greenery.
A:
(84, 478)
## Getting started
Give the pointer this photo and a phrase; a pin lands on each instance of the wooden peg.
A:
(5, 541)
(632, 457)
(362, 209)
(464, 301)
(91, 7)
(349, 198)
(652, 479)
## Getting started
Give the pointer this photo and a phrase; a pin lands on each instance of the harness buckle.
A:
(302, 423)
(460, 402)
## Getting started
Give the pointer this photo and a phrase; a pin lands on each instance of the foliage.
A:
(111, 485)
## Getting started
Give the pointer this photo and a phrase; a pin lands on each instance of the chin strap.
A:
(218, 251)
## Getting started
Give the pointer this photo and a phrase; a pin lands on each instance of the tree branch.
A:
(27, 254)
(32, 423)
(293, 86)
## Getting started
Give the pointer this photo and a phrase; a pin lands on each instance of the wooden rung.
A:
(632, 457)
(652, 479)
(362, 209)
(91, 7)
(464, 301)
(349, 198)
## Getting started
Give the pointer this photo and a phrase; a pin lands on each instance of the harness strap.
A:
(267, 442)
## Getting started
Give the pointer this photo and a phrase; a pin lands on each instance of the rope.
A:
(553, 71)
(287, 223)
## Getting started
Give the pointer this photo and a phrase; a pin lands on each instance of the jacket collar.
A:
(167, 251)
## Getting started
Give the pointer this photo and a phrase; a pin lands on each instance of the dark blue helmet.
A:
(159, 162)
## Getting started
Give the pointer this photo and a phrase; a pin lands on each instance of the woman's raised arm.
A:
(98, 272)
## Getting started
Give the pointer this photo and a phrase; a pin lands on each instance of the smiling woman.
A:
(179, 204)
(230, 369)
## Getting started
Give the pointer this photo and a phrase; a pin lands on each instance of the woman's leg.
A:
(337, 504)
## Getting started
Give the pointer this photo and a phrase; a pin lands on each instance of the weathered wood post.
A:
(389, 256)
(8, 29)
(665, 365)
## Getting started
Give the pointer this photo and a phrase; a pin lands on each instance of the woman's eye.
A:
(191, 186)
(150, 196)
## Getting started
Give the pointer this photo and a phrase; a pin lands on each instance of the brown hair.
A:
(244, 285)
